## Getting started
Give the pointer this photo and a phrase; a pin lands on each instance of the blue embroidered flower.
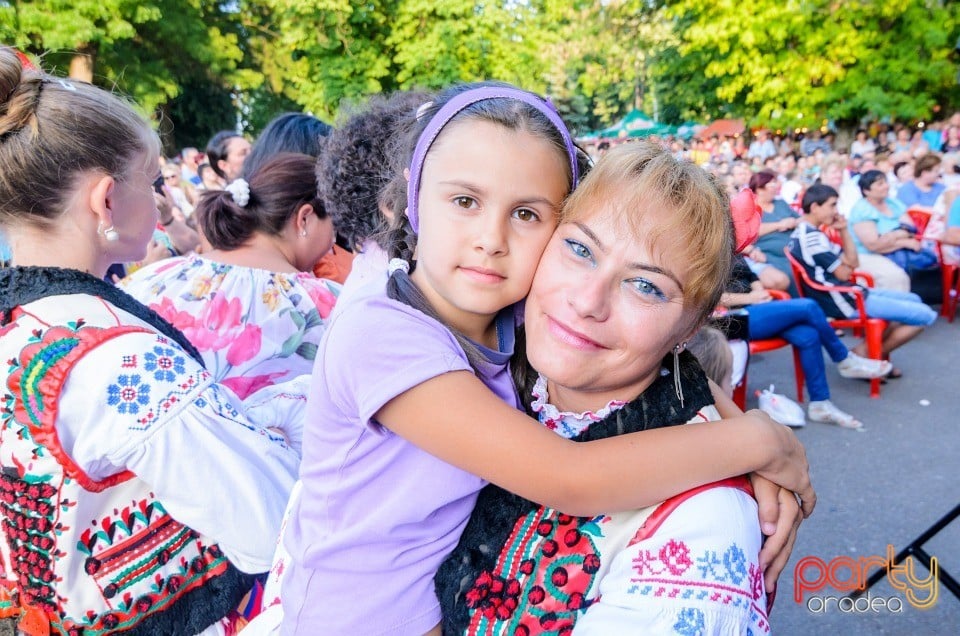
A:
(690, 622)
(708, 564)
(165, 363)
(128, 394)
(736, 563)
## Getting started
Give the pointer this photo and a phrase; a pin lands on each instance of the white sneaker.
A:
(854, 366)
(825, 411)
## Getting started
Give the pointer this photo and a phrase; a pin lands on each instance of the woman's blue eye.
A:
(647, 288)
(578, 248)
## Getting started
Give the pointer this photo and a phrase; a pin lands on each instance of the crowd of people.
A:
(391, 377)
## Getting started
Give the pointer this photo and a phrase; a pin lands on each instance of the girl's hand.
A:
(779, 519)
(787, 466)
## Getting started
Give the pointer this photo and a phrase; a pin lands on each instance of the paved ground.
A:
(880, 487)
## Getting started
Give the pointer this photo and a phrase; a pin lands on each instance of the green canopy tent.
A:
(634, 124)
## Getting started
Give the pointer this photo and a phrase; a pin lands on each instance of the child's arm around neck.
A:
(490, 439)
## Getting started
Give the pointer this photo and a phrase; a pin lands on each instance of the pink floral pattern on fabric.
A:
(219, 326)
(254, 328)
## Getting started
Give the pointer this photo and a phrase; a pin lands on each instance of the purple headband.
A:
(457, 104)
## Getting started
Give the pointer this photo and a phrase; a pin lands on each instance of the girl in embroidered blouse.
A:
(116, 446)
(403, 426)
(639, 260)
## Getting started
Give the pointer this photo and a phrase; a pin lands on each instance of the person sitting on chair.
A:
(829, 264)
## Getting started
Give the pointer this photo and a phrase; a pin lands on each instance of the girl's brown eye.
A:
(526, 215)
(463, 202)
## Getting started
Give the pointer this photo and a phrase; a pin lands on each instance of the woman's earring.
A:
(303, 233)
(110, 233)
(677, 388)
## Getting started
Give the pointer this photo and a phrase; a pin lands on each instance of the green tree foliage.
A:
(199, 110)
(434, 44)
(143, 49)
(322, 52)
(796, 62)
(599, 60)
(786, 63)
(326, 52)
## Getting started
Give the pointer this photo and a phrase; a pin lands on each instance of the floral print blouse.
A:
(254, 328)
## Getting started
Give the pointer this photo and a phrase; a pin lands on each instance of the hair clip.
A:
(239, 189)
(396, 265)
(67, 85)
(422, 110)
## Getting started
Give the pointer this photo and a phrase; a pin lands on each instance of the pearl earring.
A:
(110, 233)
(303, 233)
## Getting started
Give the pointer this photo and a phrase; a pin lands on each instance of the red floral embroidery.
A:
(554, 563)
(676, 556)
(494, 596)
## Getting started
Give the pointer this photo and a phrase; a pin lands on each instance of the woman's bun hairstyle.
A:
(51, 131)
(277, 189)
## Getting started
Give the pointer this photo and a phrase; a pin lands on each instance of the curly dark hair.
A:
(354, 164)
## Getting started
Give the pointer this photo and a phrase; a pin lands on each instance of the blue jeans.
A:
(897, 306)
(802, 323)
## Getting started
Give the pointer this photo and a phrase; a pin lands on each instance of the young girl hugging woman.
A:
(412, 408)
(639, 261)
(251, 307)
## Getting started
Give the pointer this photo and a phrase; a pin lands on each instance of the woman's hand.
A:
(156, 251)
(757, 296)
(910, 244)
(780, 519)
(787, 465)
(788, 223)
(756, 254)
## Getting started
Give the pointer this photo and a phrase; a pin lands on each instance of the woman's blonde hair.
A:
(639, 177)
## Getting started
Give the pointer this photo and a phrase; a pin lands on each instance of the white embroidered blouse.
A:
(697, 573)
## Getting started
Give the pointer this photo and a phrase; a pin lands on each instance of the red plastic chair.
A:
(871, 328)
(770, 344)
(921, 217)
(949, 274)
(832, 234)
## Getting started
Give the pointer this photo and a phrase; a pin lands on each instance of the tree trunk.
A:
(81, 64)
